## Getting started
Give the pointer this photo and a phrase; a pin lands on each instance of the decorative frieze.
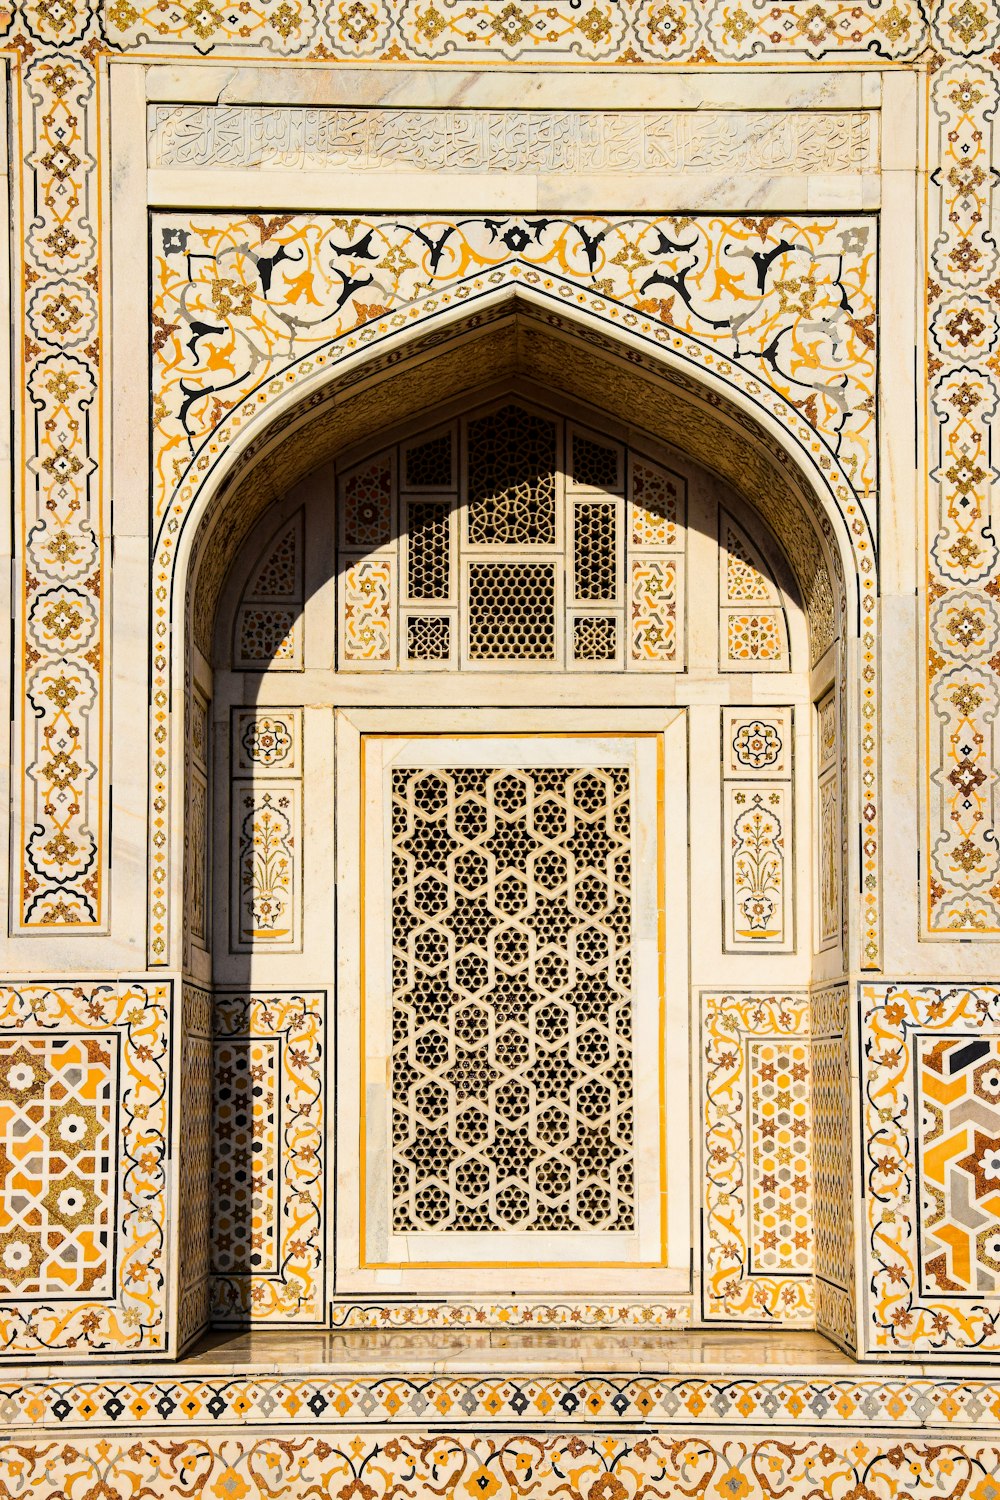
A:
(497, 140)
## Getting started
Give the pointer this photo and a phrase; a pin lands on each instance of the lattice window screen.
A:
(513, 996)
(512, 536)
(512, 999)
(268, 633)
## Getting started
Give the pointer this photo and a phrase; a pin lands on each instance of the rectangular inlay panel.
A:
(780, 1157)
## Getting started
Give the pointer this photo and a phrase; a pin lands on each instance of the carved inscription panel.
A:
(492, 140)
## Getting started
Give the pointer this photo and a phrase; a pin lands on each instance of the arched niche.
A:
(516, 353)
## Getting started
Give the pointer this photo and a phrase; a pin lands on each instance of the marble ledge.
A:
(265, 189)
(496, 1354)
(514, 87)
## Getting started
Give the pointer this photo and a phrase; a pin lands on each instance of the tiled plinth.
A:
(498, 1414)
(535, 1381)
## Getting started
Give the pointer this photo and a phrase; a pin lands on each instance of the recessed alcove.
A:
(514, 589)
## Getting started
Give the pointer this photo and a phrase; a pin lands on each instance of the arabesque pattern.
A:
(276, 293)
(584, 1465)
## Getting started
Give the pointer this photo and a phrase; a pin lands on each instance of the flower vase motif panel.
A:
(758, 822)
(267, 855)
(758, 869)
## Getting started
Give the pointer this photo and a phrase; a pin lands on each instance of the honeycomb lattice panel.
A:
(512, 611)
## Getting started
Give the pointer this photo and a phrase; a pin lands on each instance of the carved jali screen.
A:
(511, 930)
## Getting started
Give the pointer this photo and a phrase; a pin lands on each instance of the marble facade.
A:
(747, 247)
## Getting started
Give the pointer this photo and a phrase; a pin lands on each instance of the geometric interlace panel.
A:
(512, 1062)
(958, 1108)
(57, 1122)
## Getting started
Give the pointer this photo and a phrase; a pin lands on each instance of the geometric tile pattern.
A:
(57, 1133)
(929, 1153)
(194, 1176)
(834, 1195)
(581, 1464)
(760, 638)
(268, 1189)
(779, 1168)
(367, 593)
(268, 633)
(306, 1398)
(245, 1157)
(958, 1106)
(757, 1249)
(83, 1166)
